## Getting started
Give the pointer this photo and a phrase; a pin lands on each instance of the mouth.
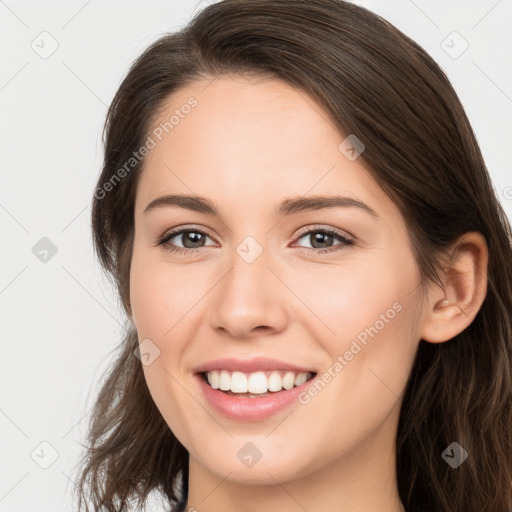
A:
(256, 384)
(252, 389)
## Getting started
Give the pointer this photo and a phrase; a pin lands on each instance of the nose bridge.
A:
(248, 295)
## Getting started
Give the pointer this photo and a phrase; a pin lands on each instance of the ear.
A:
(453, 308)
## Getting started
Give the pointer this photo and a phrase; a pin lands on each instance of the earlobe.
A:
(453, 308)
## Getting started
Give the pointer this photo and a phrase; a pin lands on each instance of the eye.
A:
(321, 237)
(192, 240)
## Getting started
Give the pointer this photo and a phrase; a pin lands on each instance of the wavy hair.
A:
(375, 82)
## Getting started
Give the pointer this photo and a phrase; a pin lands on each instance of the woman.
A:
(316, 274)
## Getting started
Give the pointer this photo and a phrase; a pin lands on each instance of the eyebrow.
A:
(287, 207)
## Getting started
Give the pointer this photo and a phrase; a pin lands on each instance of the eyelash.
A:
(162, 241)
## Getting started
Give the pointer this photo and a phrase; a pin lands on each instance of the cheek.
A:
(351, 297)
(371, 313)
(161, 294)
(161, 297)
(149, 300)
(378, 342)
(369, 308)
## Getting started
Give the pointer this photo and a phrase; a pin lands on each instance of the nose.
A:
(249, 300)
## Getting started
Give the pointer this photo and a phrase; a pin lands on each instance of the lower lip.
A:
(250, 409)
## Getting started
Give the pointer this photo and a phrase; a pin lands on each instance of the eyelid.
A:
(346, 238)
(187, 227)
(302, 231)
(322, 227)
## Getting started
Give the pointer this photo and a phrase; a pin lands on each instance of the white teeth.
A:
(275, 383)
(256, 383)
(288, 380)
(301, 378)
(238, 382)
(225, 381)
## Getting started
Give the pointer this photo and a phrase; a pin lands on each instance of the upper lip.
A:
(250, 365)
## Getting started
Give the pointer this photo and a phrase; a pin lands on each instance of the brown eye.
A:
(191, 240)
(321, 240)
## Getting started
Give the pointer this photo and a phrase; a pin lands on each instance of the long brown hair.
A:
(379, 84)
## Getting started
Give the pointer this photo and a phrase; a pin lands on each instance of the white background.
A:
(60, 321)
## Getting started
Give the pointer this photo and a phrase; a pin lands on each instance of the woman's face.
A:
(261, 278)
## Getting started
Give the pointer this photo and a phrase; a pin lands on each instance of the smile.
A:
(256, 384)
(252, 406)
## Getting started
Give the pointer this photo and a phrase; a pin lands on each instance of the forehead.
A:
(239, 117)
(247, 138)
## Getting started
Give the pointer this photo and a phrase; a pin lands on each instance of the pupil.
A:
(197, 236)
(317, 237)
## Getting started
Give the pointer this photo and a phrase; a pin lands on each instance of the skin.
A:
(246, 146)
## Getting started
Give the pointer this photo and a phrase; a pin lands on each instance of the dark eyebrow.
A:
(300, 204)
(194, 203)
(287, 207)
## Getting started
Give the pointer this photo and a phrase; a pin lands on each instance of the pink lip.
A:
(250, 365)
(250, 409)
